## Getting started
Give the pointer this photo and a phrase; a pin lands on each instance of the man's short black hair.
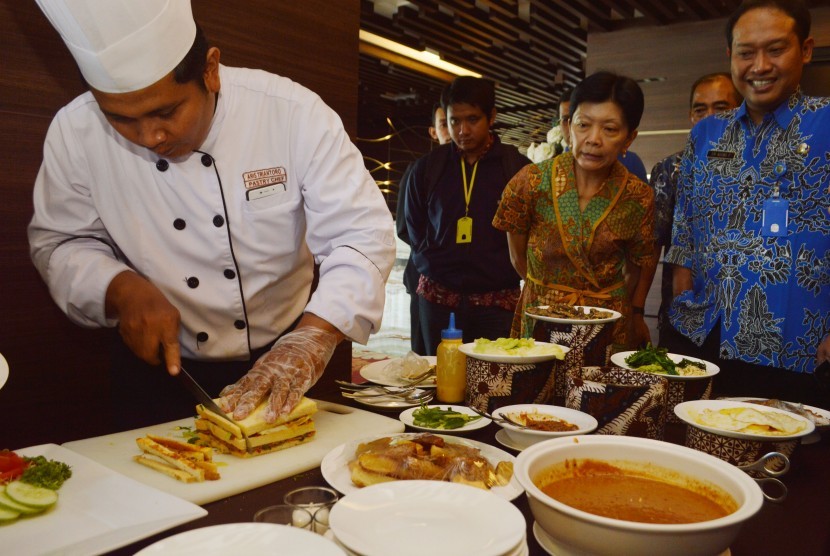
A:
(710, 78)
(475, 91)
(796, 9)
(192, 67)
(604, 86)
(564, 97)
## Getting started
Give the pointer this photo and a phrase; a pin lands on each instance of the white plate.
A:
(98, 510)
(407, 418)
(508, 442)
(251, 539)
(682, 411)
(817, 410)
(335, 464)
(4, 370)
(404, 517)
(467, 349)
(615, 315)
(584, 422)
(618, 359)
(376, 372)
(546, 541)
(384, 402)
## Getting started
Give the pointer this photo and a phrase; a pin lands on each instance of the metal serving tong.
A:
(769, 476)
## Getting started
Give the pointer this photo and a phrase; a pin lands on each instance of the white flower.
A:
(555, 135)
(554, 145)
(545, 151)
(531, 152)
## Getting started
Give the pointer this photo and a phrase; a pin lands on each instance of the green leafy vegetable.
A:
(437, 418)
(46, 473)
(646, 359)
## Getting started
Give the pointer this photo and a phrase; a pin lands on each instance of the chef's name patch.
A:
(265, 177)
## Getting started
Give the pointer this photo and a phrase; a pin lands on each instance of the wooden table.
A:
(800, 525)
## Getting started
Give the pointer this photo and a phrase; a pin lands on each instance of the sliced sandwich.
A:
(262, 437)
(184, 462)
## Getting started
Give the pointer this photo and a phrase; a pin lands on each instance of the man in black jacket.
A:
(451, 197)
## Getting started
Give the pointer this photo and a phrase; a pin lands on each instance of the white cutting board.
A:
(335, 424)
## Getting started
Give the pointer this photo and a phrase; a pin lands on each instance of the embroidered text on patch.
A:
(265, 177)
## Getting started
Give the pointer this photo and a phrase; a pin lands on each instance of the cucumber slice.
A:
(8, 515)
(7, 503)
(30, 495)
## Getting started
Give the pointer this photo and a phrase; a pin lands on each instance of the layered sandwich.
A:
(180, 460)
(262, 437)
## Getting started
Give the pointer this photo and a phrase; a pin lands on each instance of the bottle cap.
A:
(451, 332)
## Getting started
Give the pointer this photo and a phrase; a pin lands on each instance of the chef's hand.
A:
(147, 321)
(284, 374)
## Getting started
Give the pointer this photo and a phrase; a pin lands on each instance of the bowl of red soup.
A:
(609, 495)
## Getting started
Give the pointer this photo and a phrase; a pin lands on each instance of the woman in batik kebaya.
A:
(580, 226)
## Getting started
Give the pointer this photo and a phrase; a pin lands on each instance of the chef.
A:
(187, 203)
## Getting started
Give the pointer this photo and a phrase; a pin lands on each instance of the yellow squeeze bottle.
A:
(451, 368)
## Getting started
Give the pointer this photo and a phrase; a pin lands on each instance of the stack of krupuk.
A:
(182, 461)
(425, 457)
(229, 437)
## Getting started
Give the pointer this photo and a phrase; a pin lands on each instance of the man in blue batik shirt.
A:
(751, 237)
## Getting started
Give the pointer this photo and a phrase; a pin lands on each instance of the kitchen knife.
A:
(203, 398)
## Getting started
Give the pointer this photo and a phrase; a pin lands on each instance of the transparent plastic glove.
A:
(283, 374)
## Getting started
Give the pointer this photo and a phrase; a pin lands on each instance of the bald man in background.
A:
(711, 94)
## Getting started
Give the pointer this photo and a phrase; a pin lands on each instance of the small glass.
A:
(284, 514)
(317, 501)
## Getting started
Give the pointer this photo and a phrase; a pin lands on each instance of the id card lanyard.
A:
(775, 216)
(464, 228)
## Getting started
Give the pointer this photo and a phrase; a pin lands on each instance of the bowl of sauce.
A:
(538, 422)
(625, 495)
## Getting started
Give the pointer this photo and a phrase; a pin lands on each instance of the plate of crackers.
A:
(747, 421)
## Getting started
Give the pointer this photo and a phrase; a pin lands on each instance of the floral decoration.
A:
(554, 145)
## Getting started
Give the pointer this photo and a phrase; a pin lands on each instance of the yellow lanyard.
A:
(468, 188)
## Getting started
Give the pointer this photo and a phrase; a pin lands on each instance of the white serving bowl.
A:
(525, 437)
(579, 532)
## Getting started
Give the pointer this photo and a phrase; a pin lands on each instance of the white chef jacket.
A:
(227, 233)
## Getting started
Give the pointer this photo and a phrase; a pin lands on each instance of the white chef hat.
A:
(123, 45)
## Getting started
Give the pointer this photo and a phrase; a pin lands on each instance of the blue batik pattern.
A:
(771, 295)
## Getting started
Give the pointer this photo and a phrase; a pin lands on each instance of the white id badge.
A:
(464, 230)
(775, 218)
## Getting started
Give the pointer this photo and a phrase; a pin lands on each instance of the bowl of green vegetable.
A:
(689, 378)
(443, 418)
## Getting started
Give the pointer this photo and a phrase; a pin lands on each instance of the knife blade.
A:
(204, 398)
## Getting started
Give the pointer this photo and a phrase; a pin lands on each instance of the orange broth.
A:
(607, 490)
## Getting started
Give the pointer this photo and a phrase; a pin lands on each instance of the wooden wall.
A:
(58, 388)
(680, 54)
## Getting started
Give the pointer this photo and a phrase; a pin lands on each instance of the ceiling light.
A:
(424, 56)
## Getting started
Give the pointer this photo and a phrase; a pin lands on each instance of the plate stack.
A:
(428, 517)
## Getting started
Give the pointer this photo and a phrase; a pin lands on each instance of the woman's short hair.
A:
(475, 91)
(604, 86)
